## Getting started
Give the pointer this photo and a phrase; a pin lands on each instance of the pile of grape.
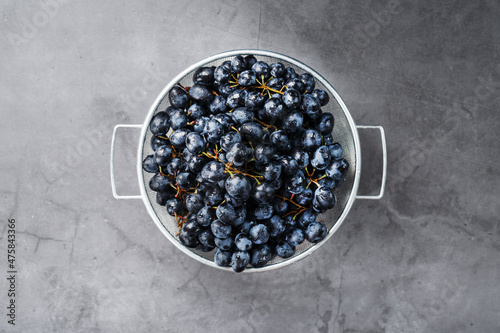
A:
(245, 160)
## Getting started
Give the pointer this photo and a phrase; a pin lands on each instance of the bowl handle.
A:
(112, 163)
(384, 170)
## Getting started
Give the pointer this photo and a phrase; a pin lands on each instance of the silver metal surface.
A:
(384, 165)
(345, 132)
(112, 163)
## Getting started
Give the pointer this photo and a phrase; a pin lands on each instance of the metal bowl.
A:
(345, 132)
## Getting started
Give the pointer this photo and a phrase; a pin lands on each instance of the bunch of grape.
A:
(244, 159)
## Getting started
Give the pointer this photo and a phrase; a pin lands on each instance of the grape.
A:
(199, 124)
(322, 158)
(327, 182)
(296, 183)
(238, 187)
(188, 241)
(296, 237)
(149, 164)
(224, 244)
(213, 171)
(322, 96)
(178, 119)
(204, 75)
(307, 218)
(263, 153)
(159, 183)
(305, 197)
(178, 138)
(274, 109)
(241, 213)
(160, 123)
(229, 139)
(243, 242)
(326, 122)
(259, 234)
(201, 94)
(242, 115)
(225, 120)
(213, 131)
(261, 69)
(276, 83)
(162, 197)
(308, 81)
(324, 199)
(205, 216)
(238, 64)
(175, 206)
(218, 105)
(285, 250)
(254, 100)
(220, 229)
(194, 202)
(280, 206)
(264, 192)
(226, 213)
(263, 211)
(280, 140)
(222, 258)
(302, 157)
(195, 143)
(316, 232)
(293, 121)
(335, 150)
(289, 165)
(236, 99)
(185, 180)
(191, 229)
(292, 98)
(260, 255)
(337, 168)
(277, 69)
(214, 195)
(247, 78)
(222, 74)
(158, 141)
(196, 111)
(207, 238)
(311, 140)
(240, 260)
(251, 131)
(290, 73)
(309, 104)
(175, 165)
(238, 154)
(178, 97)
(250, 60)
(276, 226)
(195, 164)
(272, 171)
(226, 89)
(296, 84)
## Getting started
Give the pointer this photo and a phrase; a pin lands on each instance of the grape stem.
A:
(229, 169)
(264, 124)
(295, 211)
(263, 85)
(315, 181)
(290, 200)
(179, 224)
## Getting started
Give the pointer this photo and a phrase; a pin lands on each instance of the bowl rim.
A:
(163, 94)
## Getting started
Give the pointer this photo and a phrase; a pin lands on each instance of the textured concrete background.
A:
(426, 258)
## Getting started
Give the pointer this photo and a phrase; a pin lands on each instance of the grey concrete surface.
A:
(425, 258)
